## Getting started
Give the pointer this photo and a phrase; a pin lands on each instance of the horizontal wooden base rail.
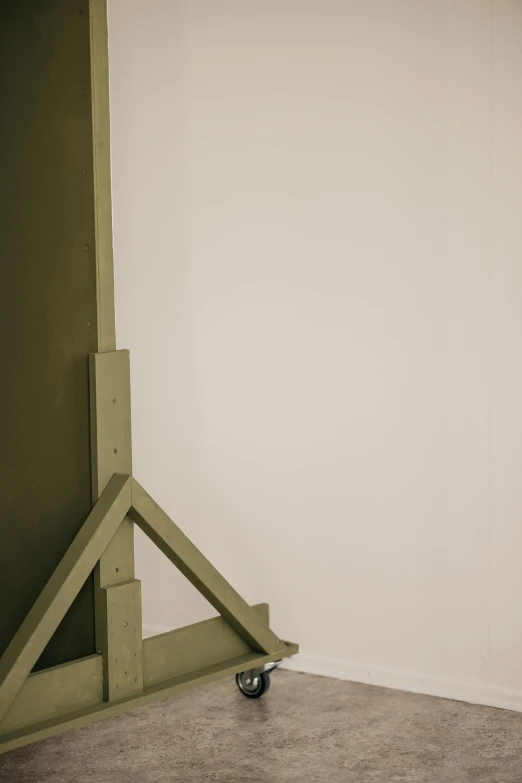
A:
(71, 696)
(53, 692)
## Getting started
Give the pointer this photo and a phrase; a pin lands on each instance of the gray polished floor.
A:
(305, 729)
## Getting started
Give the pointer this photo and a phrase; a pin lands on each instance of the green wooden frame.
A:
(69, 696)
(126, 670)
(241, 639)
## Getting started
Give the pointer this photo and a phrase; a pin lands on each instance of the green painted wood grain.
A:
(52, 692)
(117, 593)
(123, 653)
(102, 175)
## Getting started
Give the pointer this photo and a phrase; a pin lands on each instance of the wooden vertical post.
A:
(117, 592)
(102, 175)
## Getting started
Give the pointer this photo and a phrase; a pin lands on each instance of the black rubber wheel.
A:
(253, 687)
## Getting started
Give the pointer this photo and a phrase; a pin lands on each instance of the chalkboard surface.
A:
(48, 307)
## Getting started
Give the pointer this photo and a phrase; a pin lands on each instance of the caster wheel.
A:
(253, 687)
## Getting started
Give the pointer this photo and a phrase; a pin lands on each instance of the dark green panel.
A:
(47, 307)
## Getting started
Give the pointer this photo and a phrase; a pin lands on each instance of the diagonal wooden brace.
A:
(200, 572)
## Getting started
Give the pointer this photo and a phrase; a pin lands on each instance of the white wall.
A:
(317, 215)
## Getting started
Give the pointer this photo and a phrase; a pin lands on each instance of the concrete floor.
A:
(306, 729)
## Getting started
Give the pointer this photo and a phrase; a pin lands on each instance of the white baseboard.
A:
(474, 693)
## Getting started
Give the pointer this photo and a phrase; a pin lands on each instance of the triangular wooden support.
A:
(122, 496)
(177, 547)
